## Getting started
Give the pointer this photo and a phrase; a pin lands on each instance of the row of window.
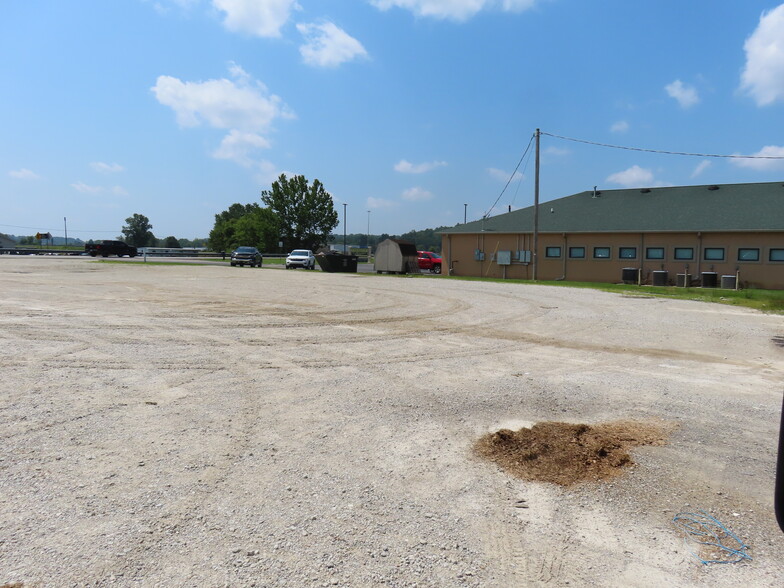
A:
(658, 253)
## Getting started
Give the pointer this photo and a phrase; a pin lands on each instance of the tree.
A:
(137, 230)
(245, 224)
(306, 213)
(171, 242)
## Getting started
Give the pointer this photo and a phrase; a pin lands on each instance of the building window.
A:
(654, 253)
(577, 252)
(601, 253)
(713, 254)
(552, 252)
(627, 252)
(684, 253)
(748, 254)
(776, 255)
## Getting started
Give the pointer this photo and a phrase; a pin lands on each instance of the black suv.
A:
(246, 255)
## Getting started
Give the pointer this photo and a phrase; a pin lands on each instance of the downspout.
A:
(642, 259)
(565, 251)
(449, 253)
(699, 254)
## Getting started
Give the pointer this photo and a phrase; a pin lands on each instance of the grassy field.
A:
(766, 300)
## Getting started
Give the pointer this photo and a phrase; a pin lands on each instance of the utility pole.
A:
(344, 229)
(65, 224)
(368, 237)
(534, 253)
(465, 212)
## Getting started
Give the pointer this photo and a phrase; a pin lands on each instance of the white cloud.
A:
(380, 203)
(503, 176)
(238, 145)
(701, 167)
(406, 167)
(243, 107)
(24, 174)
(86, 189)
(557, 151)
(764, 164)
(119, 191)
(327, 45)
(620, 127)
(458, 10)
(416, 195)
(222, 103)
(106, 168)
(262, 18)
(763, 76)
(633, 177)
(685, 95)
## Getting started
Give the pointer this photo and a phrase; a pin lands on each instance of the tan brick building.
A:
(686, 234)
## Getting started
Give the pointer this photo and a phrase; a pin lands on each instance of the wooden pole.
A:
(535, 252)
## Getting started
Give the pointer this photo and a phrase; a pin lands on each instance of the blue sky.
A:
(410, 109)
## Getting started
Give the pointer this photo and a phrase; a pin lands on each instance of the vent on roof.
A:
(713, 187)
(595, 192)
(645, 190)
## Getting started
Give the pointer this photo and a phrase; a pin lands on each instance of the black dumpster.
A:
(660, 277)
(337, 262)
(710, 280)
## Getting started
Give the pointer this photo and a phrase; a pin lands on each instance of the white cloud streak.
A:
(106, 168)
(261, 18)
(86, 188)
(416, 194)
(373, 202)
(406, 167)
(763, 76)
(633, 177)
(701, 167)
(503, 176)
(619, 127)
(24, 174)
(457, 10)
(327, 45)
(764, 164)
(686, 95)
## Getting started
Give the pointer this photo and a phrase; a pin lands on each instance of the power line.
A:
(509, 181)
(661, 151)
(74, 230)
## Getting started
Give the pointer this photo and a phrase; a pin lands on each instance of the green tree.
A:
(306, 212)
(137, 231)
(171, 242)
(245, 224)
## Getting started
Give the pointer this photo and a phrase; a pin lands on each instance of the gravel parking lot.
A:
(182, 425)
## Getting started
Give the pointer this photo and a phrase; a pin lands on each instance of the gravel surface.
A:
(171, 425)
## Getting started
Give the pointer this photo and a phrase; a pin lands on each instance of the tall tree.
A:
(245, 224)
(306, 212)
(137, 230)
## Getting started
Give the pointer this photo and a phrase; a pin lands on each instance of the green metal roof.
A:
(724, 207)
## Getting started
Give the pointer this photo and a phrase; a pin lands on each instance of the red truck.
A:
(429, 261)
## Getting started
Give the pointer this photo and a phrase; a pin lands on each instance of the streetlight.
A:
(345, 250)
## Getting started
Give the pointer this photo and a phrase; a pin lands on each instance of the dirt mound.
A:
(566, 454)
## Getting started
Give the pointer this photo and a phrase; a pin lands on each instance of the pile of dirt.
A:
(565, 453)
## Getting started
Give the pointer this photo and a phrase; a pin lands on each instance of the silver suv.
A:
(301, 258)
